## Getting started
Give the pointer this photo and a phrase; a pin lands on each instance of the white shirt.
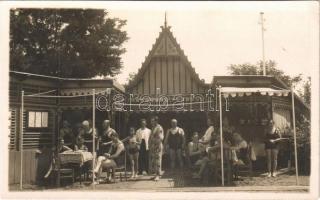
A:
(207, 136)
(144, 134)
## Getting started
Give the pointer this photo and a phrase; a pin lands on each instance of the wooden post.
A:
(294, 137)
(21, 139)
(221, 137)
(93, 132)
(58, 146)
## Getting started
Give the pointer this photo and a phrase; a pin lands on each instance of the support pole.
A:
(21, 138)
(93, 133)
(221, 137)
(294, 137)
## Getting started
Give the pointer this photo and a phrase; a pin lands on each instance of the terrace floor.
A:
(181, 180)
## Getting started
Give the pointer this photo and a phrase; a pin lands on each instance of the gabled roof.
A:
(172, 48)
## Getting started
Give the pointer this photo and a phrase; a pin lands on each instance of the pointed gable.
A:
(167, 69)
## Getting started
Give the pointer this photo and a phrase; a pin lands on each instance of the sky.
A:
(215, 35)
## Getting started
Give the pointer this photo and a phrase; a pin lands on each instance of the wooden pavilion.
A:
(43, 116)
(166, 71)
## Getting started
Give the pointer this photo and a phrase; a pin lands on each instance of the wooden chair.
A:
(63, 172)
(215, 169)
(244, 169)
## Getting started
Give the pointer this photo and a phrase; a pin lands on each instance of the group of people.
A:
(145, 147)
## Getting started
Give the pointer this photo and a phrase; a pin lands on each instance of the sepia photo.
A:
(206, 98)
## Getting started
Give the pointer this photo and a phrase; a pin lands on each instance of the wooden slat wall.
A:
(176, 76)
(182, 78)
(146, 83)
(171, 75)
(33, 168)
(140, 89)
(152, 78)
(158, 73)
(188, 81)
(164, 76)
(195, 88)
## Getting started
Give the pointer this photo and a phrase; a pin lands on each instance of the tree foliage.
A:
(271, 69)
(66, 42)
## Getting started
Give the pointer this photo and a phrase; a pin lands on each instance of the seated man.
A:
(239, 149)
(239, 153)
(194, 150)
(109, 160)
(80, 145)
(213, 149)
(63, 148)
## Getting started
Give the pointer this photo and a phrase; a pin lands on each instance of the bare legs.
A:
(134, 164)
(98, 164)
(272, 159)
(175, 154)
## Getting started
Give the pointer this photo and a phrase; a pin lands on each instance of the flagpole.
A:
(262, 37)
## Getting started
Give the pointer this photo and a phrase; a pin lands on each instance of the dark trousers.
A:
(143, 160)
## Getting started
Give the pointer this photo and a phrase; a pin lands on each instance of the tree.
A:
(66, 42)
(307, 91)
(271, 69)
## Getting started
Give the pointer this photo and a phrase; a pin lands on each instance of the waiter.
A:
(206, 138)
(143, 135)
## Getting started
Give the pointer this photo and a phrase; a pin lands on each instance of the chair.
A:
(214, 168)
(245, 168)
(63, 172)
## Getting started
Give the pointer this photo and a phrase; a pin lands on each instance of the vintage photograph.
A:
(180, 97)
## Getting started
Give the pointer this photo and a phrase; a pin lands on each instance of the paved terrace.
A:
(181, 180)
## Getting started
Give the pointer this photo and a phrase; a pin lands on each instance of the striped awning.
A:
(235, 91)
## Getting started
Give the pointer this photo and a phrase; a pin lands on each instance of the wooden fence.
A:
(35, 166)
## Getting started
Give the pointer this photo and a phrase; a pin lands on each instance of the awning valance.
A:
(84, 91)
(235, 91)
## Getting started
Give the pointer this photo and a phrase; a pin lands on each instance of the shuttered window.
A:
(12, 128)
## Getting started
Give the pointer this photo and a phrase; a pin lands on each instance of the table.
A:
(76, 160)
(75, 157)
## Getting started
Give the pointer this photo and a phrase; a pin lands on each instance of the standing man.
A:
(87, 135)
(155, 148)
(105, 137)
(175, 142)
(67, 135)
(143, 135)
